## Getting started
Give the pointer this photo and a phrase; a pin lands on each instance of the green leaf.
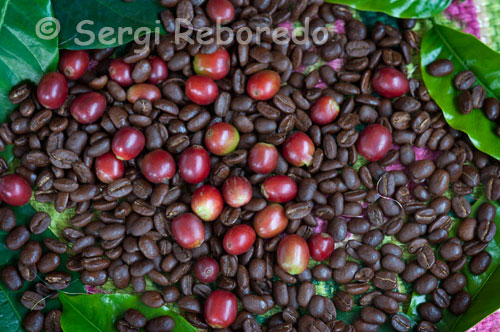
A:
(399, 8)
(95, 15)
(98, 312)
(466, 52)
(10, 317)
(23, 55)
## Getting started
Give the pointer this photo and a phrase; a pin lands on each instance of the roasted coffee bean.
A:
(430, 312)
(343, 301)
(386, 304)
(464, 80)
(480, 263)
(440, 67)
(160, 324)
(400, 323)
(32, 301)
(460, 302)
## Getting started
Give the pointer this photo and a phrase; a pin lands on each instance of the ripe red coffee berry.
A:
(238, 239)
(279, 188)
(215, 66)
(271, 221)
(194, 164)
(52, 90)
(293, 254)
(201, 90)
(14, 190)
(390, 82)
(206, 269)
(128, 143)
(321, 246)
(220, 11)
(207, 203)
(159, 70)
(237, 191)
(324, 111)
(73, 64)
(158, 166)
(298, 149)
(374, 142)
(88, 107)
(188, 230)
(121, 72)
(221, 138)
(263, 85)
(263, 158)
(221, 308)
(143, 91)
(108, 168)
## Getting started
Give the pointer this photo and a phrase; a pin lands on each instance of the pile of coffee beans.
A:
(218, 172)
(133, 320)
(471, 96)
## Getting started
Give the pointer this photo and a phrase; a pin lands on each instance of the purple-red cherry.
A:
(194, 164)
(88, 107)
(390, 82)
(14, 190)
(73, 64)
(158, 166)
(159, 70)
(324, 111)
(52, 90)
(263, 85)
(201, 90)
(128, 143)
(374, 142)
(263, 158)
(298, 149)
(108, 168)
(220, 11)
(121, 72)
(215, 66)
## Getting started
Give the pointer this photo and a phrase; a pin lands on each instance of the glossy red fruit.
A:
(128, 143)
(206, 269)
(188, 230)
(215, 66)
(207, 202)
(221, 308)
(279, 189)
(73, 64)
(158, 166)
(238, 239)
(201, 90)
(221, 138)
(121, 72)
(374, 142)
(14, 190)
(293, 254)
(298, 149)
(324, 111)
(88, 107)
(220, 11)
(321, 246)
(109, 168)
(263, 158)
(143, 91)
(390, 82)
(194, 164)
(237, 191)
(52, 90)
(159, 70)
(271, 221)
(263, 85)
